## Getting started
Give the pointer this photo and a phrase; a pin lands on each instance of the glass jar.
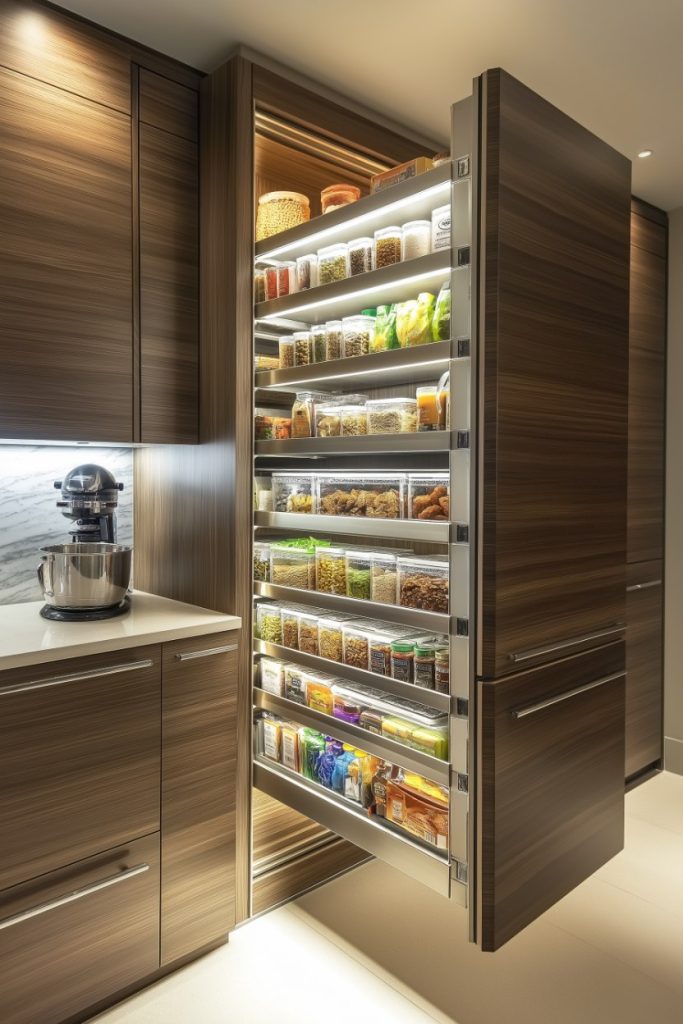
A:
(353, 418)
(334, 340)
(286, 352)
(333, 263)
(403, 661)
(425, 664)
(293, 492)
(308, 632)
(303, 348)
(285, 278)
(330, 570)
(318, 340)
(330, 637)
(356, 646)
(374, 495)
(259, 286)
(306, 272)
(387, 247)
(271, 282)
(358, 565)
(268, 624)
(358, 333)
(360, 256)
(289, 619)
(442, 670)
(383, 577)
(417, 239)
(392, 416)
(292, 567)
(423, 583)
(279, 211)
(262, 561)
(335, 196)
(328, 419)
(428, 496)
(427, 408)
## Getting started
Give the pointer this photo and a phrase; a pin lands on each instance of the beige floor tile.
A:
(650, 866)
(659, 801)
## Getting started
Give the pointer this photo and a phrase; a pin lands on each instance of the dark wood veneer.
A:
(644, 666)
(169, 105)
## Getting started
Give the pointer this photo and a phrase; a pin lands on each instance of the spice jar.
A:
(278, 211)
(335, 196)
(403, 661)
(271, 282)
(333, 263)
(328, 419)
(303, 348)
(360, 256)
(318, 341)
(358, 574)
(259, 286)
(356, 646)
(387, 247)
(286, 352)
(425, 661)
(330, 570)
(442, 670)
(308, 632)
(285, 278)
(334, 339)
(427, 408)
(306, 272)
(268, 626)
(383, 577)
(417, 239)
(423, 583)
(358, 332)
(289, 619)
(262, 561)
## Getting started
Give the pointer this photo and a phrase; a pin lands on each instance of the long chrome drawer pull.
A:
(207, 653)
(643, 586)
(537, 652)
(71, 897)
(533, 708)
(76, 677)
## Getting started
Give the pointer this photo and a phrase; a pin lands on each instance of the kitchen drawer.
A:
(550, 785)
(644, 680)
(79, 759)
(78, 935)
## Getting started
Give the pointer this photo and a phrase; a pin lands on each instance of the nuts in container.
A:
(330, 570)
(356, 646)
(293, 492)
(289, 618)
(303, 348)
(358, 332)
(374, 495)
(354, 420)
(387, 247)
(423, 582)
(428, 496)
(286, 350)
(308, 632)
(318, 337)
(292, 567)
(360, 256)
(330, 637)
(333, 263)
(278, 211)
(392, 416)
(334, 339)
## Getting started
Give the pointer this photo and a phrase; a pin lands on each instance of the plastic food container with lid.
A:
(429, 496)
(331, 637)
(308, 632)
(292, 567)
(328, 419)
(295, 683)
(353, 419)
(286, 278)
(271, 428)
(268, 623)
(306, 272)
(303, 348)
(330, 570)
(392, 416)
(425, 665)
(358, 332)
(319, 691)
(423, 582)
(383, 577)
(381, 644)
(286, 352)
(373, 495)
(417, 239)
(358, 572)
(388, 247)
(417, 726)
(333, 263)
(262, 561)
(361, 252)
(335, 196)
(303, 412)
(272, 676)
(270, 282)
(289, 618)
(278, 211)
(347, 703)
(442, 669)
(259, 285)
(427, 407)
(318, 343)
(403, 660)
(334, 340)
(293, 492)
(356, 645)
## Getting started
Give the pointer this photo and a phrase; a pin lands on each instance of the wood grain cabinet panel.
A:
(169, 282)
(65, 266)
(644, 666)
(553, 407)
(550, 785)
(168, 105)
(79, 759)
(199, 731)
(63, 956)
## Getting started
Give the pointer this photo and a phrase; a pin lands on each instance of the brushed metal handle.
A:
(207, 653)
(567, 695)
(71, 897)
(76, 677)
(643, 586)
(564, 645)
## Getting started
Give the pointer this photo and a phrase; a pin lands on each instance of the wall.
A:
(673, 595)
(29, 517)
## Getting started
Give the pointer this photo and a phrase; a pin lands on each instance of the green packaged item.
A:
(385, 330)
(441, 320)
(414, 320)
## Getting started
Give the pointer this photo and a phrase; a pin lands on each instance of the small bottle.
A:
(442, 670)
(403, 661)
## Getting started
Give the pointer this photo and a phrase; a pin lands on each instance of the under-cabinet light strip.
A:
(349, 373)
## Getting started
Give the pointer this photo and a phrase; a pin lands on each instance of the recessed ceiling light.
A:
(644, 153)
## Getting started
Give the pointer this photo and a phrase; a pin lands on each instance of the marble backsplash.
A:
(29, 518)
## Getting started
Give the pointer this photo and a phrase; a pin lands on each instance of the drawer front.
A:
(644, 678)
(80, 934)
(550, 786)
(79, 759)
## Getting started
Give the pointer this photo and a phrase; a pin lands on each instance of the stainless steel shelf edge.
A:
(394, 529)
(340, 816)
(429, 621)
(376, 444)
(337, 220)
(438, 701)
(380, 746)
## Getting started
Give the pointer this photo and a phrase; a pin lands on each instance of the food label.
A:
(397, 810)
(441, 228)
(271, 740)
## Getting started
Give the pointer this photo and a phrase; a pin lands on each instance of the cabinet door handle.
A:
(531, 709)
(564, 645)
(207, 653)
(76, 677)
(71, 897)
(643, 586)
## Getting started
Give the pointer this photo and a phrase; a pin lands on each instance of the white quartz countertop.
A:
(28, 639)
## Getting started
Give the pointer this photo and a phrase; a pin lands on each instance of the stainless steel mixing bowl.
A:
(79, 576)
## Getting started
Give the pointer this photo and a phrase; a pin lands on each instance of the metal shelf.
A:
(380, 369)
(358, 526)
(435, 622)
(396, 753)
(415, 198)
(342, 298)
(376, 444)
(438, 701)
(350, 821)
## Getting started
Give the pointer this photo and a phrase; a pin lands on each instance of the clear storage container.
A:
(259, 285)
(263, 494)
(308, 632)
(423, 582)
(289, 617)
(268, 623)
(330, 570)
(416, 725)
(358, 332)
(358, 572)
(442, 670)
(334, 339)
(383, 577)
(272, 676)
(286, 351)
(303, 412)
(360, 256)
(293, 492)
(278, 211)
(333, 263)
(290, 746)
(392, 416)
(286, 278)
(306, 272)
(428, 496)
(295, 683)
(425, 665)
(335, 196)
(262, 561)
(353, 419)
(271, 428)
(303, 348)
(271, 738)
(347, 703)
(328, 419)
(270, 282)
(417, 239)
(356, 645)
(319, 691)
(331, 637)
(318, 338)
(421, 814)
(381, 647)
(374, 495)
(427, 408)
(292, 567)
(387, 246)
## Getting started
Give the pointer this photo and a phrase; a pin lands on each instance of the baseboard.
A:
(673, 755)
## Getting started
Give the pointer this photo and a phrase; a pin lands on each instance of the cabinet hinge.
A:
(463, 347)
(459, 871)
(463, 256)
(462, 439)
(462, 707)
(462, 167)
(462, 783)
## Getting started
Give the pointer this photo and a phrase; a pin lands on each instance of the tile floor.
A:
(375, 945)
